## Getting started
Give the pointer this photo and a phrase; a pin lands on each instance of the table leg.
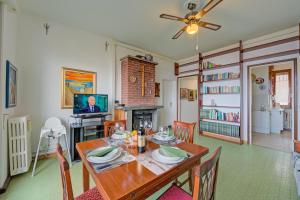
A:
(86, 178)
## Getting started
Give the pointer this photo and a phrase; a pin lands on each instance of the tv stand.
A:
(85, 127)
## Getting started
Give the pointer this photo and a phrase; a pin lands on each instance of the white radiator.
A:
(19, 137)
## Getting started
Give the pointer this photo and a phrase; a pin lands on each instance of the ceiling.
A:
(137, 22)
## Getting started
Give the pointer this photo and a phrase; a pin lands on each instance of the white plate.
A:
(107, 158)
(118, 136)
(164, 159)
(163, 137)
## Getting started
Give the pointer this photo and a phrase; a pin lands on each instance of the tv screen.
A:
(90, 103)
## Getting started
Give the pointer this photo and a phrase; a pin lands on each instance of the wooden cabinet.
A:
(119, 114)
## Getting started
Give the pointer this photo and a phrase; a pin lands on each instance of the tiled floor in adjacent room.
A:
(247, 172)
(282, 141)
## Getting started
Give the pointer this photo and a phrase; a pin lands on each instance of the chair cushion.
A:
(174, 193)
(92, 194)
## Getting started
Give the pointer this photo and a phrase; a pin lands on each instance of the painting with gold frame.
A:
(74, 81)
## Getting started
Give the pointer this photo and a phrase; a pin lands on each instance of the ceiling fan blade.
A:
(210, 5)
(208, 25)
(171, 17)
(179, 33)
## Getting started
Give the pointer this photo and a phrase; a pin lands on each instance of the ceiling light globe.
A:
(192, 28)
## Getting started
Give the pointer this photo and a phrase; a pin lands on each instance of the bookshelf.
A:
(220, 95)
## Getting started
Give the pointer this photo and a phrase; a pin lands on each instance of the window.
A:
(282, 89)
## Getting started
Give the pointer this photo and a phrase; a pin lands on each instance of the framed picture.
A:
(157, 89)
(74, 81)
(195, 95)
(11, 85)
(191, 96)
(183, 93)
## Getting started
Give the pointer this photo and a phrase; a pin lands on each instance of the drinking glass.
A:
(150, 125)
(117, 127)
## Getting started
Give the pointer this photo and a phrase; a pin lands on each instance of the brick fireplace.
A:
(138, 81)
(138, 92)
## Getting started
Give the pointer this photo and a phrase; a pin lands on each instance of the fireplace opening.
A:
(141, 116)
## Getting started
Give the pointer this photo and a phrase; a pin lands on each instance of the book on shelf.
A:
(215, 114)
(219, 89)
(209, 65)
(219, 128)
(218, 77)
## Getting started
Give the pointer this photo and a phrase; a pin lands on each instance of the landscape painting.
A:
(76, 82)
(183, 93)
(11, 85)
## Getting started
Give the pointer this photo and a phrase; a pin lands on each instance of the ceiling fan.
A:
(193, 19)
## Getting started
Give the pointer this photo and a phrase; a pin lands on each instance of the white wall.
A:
(188, 110)
(260, 97)
(41, 58)
(8, 52)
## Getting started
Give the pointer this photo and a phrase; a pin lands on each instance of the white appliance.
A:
(19, 142)
(277, 120)
(261, 122)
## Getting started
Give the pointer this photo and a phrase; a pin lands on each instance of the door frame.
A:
(295, 94)
(178, 93)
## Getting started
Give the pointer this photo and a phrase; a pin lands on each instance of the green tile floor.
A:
(246, 172)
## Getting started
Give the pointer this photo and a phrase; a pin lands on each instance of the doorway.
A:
(272, 104)
(188, 98)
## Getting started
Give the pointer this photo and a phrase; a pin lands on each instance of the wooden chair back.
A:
(206, 177)
(297, 146)
(184, 131)
(65, 174)
(109, 126)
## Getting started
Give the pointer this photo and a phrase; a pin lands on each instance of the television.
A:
(90, 103)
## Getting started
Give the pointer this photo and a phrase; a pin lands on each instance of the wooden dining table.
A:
(133, 180)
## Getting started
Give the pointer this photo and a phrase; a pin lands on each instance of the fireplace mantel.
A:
(146, 107)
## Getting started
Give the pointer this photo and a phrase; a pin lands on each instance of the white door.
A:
(169, 102)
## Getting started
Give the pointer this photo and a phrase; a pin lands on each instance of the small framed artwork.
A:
(183, 93)
(195, 95)
(157, 89)
(11, 85)
(74, 81)
(191, 96)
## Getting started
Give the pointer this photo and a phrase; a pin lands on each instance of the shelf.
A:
(220, 93)
(237, 64)
(229, 79)
(221, 121)
(222, 137)
(210, 106)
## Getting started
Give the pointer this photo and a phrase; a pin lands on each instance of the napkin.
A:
(101, 152)
(173, 151)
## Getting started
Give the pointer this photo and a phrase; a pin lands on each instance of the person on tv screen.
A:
(91, 107)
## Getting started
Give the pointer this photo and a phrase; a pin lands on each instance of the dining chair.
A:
(92, 194)
(205, 181)
(109, 126)
(184, 131)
